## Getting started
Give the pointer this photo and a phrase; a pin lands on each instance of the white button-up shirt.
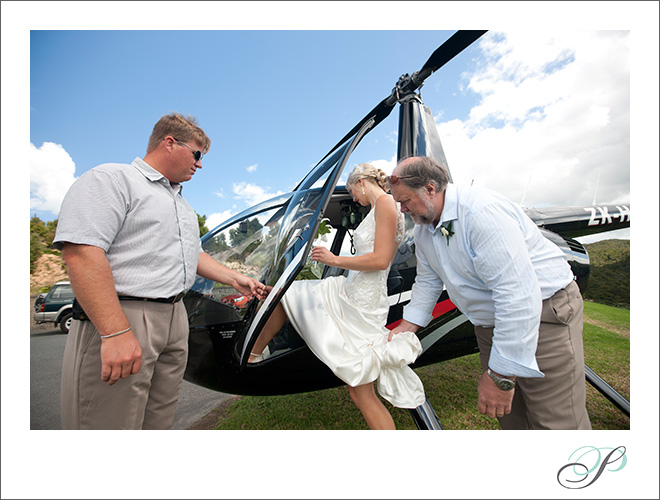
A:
(148, 230)
(497, 268)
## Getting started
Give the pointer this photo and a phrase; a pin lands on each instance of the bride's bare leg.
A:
(273, 325)
(373, 410)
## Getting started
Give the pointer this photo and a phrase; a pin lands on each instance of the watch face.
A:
(503, 383)
(506, 385)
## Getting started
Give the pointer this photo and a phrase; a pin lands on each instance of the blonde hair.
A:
(182, 128)
(369, 172)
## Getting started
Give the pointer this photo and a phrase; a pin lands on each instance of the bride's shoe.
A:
(255, 358)
(258, 358)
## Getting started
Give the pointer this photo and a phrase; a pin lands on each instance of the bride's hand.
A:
(324, 256)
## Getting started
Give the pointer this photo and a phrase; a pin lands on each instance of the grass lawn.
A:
(607, 352)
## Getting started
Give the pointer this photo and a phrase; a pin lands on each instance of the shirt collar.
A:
(449, 210)
(154, 175)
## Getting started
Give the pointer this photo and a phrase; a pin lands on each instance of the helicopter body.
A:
(271, 242)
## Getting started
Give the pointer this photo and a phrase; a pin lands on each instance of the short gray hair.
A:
(419, 171)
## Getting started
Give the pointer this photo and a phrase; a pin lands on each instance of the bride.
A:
(342, 319)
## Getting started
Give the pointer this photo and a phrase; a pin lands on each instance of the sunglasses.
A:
(196, 154)
(394, 179)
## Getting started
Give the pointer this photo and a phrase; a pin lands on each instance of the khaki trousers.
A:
(145, 400)
(557, 401)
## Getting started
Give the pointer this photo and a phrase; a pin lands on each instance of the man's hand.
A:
(94, 287)
(251, 287)
(493, 401)
(207, 267)
(404, 326)
(121, 356)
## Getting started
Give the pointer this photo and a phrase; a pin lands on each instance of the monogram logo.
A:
(586, 460)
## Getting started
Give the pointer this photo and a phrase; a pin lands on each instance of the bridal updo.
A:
(369, 172)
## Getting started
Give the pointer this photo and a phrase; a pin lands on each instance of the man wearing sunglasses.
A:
(514, 286)
(132, 249)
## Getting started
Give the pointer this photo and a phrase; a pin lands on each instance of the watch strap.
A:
(503, 383)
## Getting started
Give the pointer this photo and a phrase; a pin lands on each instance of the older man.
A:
(131, 245)
(514, 286)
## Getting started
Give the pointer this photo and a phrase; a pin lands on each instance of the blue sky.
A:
(548, 106)
(273, 102)
(543, 117)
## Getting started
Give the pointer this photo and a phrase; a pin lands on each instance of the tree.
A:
(244, 231)
(42, 235)
(201, 220)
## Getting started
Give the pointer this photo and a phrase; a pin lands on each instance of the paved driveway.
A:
(46, 352)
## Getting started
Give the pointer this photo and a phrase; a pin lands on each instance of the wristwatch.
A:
(503, 383)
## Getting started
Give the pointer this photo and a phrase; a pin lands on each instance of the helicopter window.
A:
(325, 236)
(296, 235)
(247, 246)
(301, 215)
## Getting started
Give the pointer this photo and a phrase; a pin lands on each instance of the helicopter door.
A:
(298, 227)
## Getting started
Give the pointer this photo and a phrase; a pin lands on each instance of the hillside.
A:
(48, 270)
(609, 281)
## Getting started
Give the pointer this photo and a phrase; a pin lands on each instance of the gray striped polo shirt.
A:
(148, 230)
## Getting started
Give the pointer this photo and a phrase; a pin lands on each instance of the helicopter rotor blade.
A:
(458, 42)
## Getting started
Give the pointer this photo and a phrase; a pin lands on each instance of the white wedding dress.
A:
(342, 320)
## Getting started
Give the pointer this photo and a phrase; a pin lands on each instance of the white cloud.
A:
(553, 114)
(386, 166)
(249, 194)
(252, 194)
(216, 219)
(252, 168)
(51, 174)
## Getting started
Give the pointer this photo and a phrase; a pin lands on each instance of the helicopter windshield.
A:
(298, 230)
(270, 243)
(245, 244)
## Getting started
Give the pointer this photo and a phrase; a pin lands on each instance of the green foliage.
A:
(324, 228)
(314, 270)
(609, 279)
(42, 235)
(201, 220)
(217, 244)
(244, 230)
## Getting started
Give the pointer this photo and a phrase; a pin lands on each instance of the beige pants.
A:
(145, 400)
(557, 401)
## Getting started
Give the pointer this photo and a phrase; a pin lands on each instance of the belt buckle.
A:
(177, 297)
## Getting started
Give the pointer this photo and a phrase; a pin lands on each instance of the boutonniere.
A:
(446, 231)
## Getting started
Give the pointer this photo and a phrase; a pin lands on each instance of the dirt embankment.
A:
(48, 270)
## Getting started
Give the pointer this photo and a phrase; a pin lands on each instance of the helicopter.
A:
(271, 242)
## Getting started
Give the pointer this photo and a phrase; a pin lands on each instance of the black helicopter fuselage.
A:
(271, 242)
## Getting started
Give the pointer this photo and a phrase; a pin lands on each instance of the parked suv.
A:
(56, 306)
